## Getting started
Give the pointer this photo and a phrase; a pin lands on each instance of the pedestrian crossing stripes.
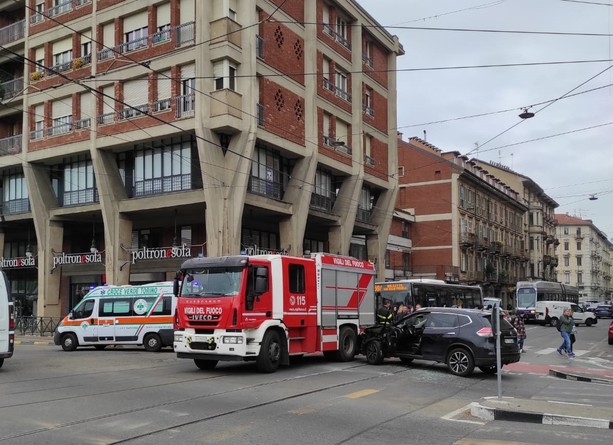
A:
(545, 351)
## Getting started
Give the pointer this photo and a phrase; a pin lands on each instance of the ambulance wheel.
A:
(205, 364)
(152, 343)
(374, 353)
(99, 347)
(69, 342)
(347, 343)
(270, 353)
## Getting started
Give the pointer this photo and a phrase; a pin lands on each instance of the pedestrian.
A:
(417, 307)
(520, 326)
(385, 315)
(566, 326)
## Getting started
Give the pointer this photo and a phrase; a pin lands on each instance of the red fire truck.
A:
(266, 308)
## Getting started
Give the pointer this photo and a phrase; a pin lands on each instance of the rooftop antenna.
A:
(477, 150)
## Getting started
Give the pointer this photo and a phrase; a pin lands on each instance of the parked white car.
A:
(549, 312)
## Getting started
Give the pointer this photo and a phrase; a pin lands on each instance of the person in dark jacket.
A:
(520, 326)
(385, 315)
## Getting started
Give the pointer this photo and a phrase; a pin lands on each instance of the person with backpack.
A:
(566, 324)
(520, 326)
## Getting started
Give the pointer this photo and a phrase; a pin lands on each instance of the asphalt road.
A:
(127, 395)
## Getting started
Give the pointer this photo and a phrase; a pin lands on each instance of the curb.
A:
(579, 377)
(489, 413)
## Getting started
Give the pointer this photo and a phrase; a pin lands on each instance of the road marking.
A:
(363, 393)
(450, 416)
(468, 441)
(545, 351)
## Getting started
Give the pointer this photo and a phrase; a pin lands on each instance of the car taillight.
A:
(11, 319)
(485, 332)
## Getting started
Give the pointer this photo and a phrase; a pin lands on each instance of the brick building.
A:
(133, 136)
(468, 224)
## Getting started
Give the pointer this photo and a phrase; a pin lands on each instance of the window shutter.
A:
(136, 92)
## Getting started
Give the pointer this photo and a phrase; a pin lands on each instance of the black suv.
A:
(460, 338)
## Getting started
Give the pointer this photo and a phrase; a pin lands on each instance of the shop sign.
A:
(76, 258)
(160, 253)
(16, 263)
(255, 250)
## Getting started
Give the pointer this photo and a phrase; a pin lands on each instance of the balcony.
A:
(264, 187)
(225, 30)
(11, 89)
(11, 145)
(12, 32)
(369, 161)
(226, 109)
(467, 239)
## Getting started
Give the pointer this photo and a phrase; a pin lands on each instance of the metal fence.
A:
(36, 325)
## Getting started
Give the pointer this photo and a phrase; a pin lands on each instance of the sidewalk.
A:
(33, 339)
(546, 412)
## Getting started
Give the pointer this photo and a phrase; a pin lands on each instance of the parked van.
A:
(121, 315)
(7, 320)
(549, 312)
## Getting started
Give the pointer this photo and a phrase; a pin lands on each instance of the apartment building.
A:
(584, 257)
(468, 223)
(539, 221)
(135, 134)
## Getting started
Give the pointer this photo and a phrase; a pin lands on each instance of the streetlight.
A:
(526, 114)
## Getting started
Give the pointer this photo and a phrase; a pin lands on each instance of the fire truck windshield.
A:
(211, 282)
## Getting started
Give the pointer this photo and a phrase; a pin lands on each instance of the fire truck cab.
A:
(266, 308)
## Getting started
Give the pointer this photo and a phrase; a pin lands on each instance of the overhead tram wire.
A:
(546, 106)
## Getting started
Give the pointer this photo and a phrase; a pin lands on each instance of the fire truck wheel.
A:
(1, 362)
(69, 342)
(205, 364)
(270, 353)
(347, 343)
(374, 353)
(152, 343)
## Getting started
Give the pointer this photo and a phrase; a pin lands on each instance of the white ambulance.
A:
(549, 312)
(121, 315)
(7, 320)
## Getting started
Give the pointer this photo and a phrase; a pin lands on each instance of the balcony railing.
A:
(363, 215)
(11, 89)
(12, 32)
(11, 145)
(367, 60)
(186, 105)
(321, 202)
(264, 187)
(343, 94)
(369, 161)
(369, 111)
(61, 8)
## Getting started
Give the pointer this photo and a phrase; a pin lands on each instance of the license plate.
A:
(509, 340)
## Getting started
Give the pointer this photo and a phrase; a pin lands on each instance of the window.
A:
(115, 307)
(61, 116)
(565, 245)
(61, 61)
(187, 101)
(341, 31)
(367, 53)
(578, 245)
(163, 24)
(137, 37)
(442, 321)
(224, 73)
(368, 158)
(579, 278)
(368, 103)
(342, 85)
(578, 261)
(566, 261)
(268, 173)
(15, 193)
(324, 195)
(165, 168)
(565, 231)
(296, 278)
(77, 182)
(566, 277)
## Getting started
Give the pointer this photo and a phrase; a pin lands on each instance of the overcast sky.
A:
(570, 167)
